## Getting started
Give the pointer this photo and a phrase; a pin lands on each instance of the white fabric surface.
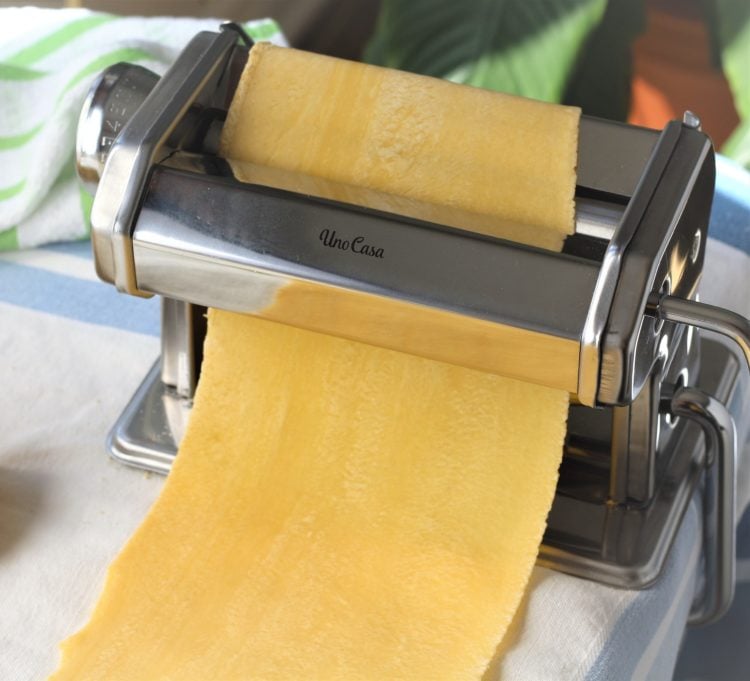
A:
(65, 507)
(72, 351)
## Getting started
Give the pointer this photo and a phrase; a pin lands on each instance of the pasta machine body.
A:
(611, 319)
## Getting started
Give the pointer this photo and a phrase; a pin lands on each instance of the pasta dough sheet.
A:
(408, 144)
(337, 511)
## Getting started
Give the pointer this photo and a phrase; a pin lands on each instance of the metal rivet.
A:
(695, 247)
(691, 120)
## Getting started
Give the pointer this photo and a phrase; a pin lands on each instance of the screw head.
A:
(691, 120)
(695, 247)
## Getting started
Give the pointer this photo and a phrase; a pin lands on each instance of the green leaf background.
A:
(525, 47)
(732, 34)
(572, 51)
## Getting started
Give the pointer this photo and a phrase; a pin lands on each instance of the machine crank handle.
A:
(718, 499)
(704, 316)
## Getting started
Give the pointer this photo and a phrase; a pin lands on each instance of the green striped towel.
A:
(48, 58)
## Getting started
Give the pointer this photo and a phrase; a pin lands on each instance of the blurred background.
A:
(645, 61)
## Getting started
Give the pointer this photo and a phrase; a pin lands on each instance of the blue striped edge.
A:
(730, 214)
(631, 635)
(721, 651)
(83, 301)
(79, 249)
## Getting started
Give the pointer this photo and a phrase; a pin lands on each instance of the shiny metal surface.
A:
(612, 156)
(718, 499)
(182, 332)
(589, 376)
(437, 292)
(114, 97)
(709, 317)
(597, 219)
(719, 428)
(142, 143)
(615, 453)
(239, 30)
(691, 120)
(145, 141)
(625, 543)
(152, 425)
(675, 196)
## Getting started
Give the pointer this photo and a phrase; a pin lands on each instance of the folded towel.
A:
(48, 59)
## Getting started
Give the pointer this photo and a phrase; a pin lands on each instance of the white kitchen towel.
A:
(48, 59)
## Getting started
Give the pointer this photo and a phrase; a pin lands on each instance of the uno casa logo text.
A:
(356, 245)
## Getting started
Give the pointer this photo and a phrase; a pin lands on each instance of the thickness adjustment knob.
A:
(111, 101)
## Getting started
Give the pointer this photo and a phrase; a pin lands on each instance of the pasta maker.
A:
(657, 407)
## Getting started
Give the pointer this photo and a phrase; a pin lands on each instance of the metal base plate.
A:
(626, 545)
(150, 428)
(620, 545)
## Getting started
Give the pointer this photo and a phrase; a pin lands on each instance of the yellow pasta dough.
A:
(338, 510)
(395, 141)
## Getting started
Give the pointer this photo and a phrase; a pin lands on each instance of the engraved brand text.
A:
(356, 245)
